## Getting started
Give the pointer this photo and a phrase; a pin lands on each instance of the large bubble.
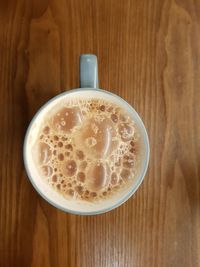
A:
(96, 137)
(97, 176)
(67, 118)
(43, 153)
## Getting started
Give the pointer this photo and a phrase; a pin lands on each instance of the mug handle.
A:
(88, 71)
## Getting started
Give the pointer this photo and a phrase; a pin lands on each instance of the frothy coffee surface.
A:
(87, 149)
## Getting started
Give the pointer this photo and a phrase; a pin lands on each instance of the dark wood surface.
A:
(149, 54)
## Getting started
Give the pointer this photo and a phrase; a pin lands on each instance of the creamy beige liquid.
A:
(87, 149)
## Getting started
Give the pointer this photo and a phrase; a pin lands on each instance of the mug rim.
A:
(140, 178)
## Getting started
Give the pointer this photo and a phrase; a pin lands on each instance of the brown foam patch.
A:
(95, 138)
(67, 118)
(97, 176)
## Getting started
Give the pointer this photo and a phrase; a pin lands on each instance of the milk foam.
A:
(87, 149)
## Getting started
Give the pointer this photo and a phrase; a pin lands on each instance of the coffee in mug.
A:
(86, 151)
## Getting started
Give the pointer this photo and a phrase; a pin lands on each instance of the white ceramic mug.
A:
(89, 88)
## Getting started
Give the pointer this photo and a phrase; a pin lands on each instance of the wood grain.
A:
(149, 54)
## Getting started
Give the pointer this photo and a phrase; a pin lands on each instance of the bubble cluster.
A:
(88, 149)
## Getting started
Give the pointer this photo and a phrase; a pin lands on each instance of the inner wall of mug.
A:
(51, 195)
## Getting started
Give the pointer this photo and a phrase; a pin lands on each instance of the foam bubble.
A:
(67, 154)
(58, 186)
(54, 178)
(44, 153)
(79, 189)
(81, 176)
(93, 194)
(90, 141)
(46, 130)
(69, 168)
(114, 178)
(60, 144)
(83, 165)
(56, 138)
(125, 174)
(47, 170)
(69, 147)
(114, 118)
(97, 176)
(70, 193)
(110, 109)
(60, 157)
(80, 155)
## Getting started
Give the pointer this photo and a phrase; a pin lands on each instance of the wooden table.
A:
(149, 54)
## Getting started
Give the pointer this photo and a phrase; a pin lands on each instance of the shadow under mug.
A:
(89, 89)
